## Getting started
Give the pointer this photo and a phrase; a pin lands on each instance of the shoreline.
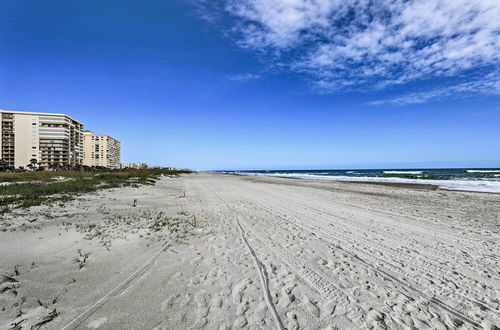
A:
(416, 185)
(388, 184)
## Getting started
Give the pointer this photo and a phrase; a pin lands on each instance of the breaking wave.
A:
(404, 172)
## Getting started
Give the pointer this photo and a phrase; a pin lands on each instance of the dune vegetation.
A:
(25, 189)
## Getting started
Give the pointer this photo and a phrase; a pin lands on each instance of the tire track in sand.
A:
(261, 270)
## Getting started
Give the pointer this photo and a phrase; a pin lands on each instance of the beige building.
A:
(52, 139)
(100, 150)
(135, 165)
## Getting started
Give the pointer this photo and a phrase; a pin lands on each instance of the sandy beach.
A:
(213, 251)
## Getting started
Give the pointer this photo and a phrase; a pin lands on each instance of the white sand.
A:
(267, 253)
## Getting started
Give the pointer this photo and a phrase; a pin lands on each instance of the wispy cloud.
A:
(490, 84)
(243, 77)
(360, 44)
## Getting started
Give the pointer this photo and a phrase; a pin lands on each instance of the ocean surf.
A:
(483, 180)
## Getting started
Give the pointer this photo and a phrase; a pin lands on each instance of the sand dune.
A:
(265, 253)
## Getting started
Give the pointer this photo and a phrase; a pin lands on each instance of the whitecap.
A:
(492, 185)
(403, 172)
(482, 171)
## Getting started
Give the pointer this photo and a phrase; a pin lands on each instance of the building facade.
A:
(135, 165)
(101, 150)
(51, 140)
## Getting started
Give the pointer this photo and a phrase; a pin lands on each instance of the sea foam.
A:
(403, 172)
(482, 171)
(467, 185)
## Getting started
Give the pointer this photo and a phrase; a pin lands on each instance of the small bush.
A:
(4, 210)
(32, 201)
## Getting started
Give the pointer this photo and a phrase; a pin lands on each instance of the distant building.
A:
(134, 165)
(52, 139)
(101, 150)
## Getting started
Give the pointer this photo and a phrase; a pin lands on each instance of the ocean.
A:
(471, 179)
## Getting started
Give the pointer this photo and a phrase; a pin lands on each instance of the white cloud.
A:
(243, 77)
(490, 84)
(371, 44)
(278, 23)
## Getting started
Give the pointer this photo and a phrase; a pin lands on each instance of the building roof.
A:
(88, 133)
(40, 113)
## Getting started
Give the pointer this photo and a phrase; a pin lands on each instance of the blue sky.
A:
(252, 84)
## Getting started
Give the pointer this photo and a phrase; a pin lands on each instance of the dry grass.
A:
(34, 188)
(81, 258)
(150, 224)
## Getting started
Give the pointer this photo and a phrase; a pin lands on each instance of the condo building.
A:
(51, 140)
(100, 150)
(134, 165)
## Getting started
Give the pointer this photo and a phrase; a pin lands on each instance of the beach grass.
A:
(26, 189)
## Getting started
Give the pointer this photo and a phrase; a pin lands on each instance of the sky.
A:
(265, 84)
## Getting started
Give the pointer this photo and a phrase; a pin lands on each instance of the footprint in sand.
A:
(177, 275)
(258, 316)
(293, 323)
(196, 261)
(311, 307)
(329, 307)
(216, 302)
(340, 310)
(169, 303)
(240, 322)
(238, 289)
(214, 272)
(287, 297)
(187, 300)
(203, 310)
(225, 292)
(97, 323)
(375, 319)
(242, 308)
